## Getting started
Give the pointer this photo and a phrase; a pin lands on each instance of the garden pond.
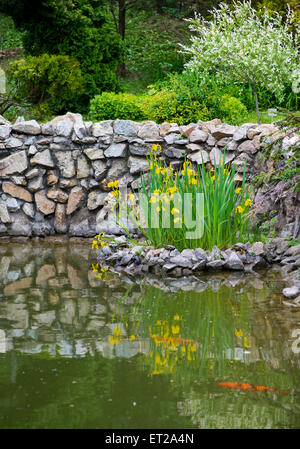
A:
(81, 351)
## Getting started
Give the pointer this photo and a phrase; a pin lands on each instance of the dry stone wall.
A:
(53, 176)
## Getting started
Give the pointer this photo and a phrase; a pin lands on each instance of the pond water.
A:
(77, 351)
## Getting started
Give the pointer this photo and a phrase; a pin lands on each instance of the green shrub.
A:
(183, 99)
(9, 36)
(47, 81)
(231, 109)
(187, 98)
(111, 106)
(78, 29)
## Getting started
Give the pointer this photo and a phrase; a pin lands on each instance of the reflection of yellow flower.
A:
(175, 211)
(176, 220)
(246, 343)
(95, 267)
(175, 329)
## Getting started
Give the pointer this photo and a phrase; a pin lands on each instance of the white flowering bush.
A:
(247, 46)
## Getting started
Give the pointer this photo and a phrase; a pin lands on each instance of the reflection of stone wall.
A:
(51, 301)
(53, 176)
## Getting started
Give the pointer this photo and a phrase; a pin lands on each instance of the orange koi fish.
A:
(248, 387)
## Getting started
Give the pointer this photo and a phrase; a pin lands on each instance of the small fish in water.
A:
(248, 387)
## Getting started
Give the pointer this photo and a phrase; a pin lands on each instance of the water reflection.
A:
(184, 343)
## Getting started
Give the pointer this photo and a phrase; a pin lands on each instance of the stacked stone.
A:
(53, 177)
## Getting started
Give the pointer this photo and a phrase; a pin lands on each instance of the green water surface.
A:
(77, 351)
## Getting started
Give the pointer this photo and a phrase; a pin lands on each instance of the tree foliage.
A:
(242, 44)
(77, 28)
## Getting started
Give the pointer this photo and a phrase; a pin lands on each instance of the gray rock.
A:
(247, 147)
(42, 228)
(199, 266)
(15, 163)
(3, 121)
(242, 131)
(83, 224)
(171, 138)
(137, 165)
(258, 249)
(223, 130)
(148, 129)
(19, 180)
(181, 142)
(215, 265)
(104, 128)
(96, 199)
(47, 129)
(32, 150)
(3, 229)
(139, 148)
(43, 158)
(65, 164)
(64, 126)
(116, 150)
(216, 155)
(125, 128)
(224, 142)
(199, 156)
(13, 142)
(100, 169)
(181, 261)
(4, 215)
(291, 292)
(83, 169)
(287, 231)
(28, 209)
(35, 184)
(20, 226)
(28, 127)
(33, 173)
(198, 136)
(4, 132)
(12, 204)
(78, 125)
(293, 251)
(126, 259)
(234, 262)
(94, 154)
(174, 153)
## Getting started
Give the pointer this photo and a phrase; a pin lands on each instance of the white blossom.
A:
(245, 46)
